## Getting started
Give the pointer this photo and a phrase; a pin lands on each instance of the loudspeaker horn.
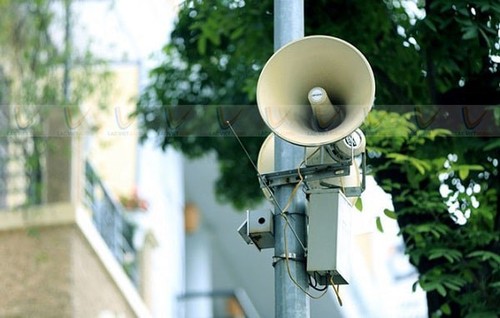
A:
(315, 91)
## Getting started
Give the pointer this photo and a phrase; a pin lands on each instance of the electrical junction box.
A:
(260, 228)
(329, 236)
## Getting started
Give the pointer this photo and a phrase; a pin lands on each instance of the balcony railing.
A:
(110, 221)
(19, 178)
(18, 184)
(38, 166)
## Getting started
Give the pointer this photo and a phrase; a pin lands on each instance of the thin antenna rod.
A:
(271, 193)
(243, 147)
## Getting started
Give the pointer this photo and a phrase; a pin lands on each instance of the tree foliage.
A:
(39, 70)
(444, 182)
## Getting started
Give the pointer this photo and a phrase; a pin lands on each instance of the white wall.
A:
(161, 185)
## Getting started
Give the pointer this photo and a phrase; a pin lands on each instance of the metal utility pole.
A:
(290, 239)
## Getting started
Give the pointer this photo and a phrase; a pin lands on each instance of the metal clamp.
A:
(352, 191)
(289, 256)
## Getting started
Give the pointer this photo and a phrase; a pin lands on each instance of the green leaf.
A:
(419, 164)
(390, 214)
(414, 286)
(451, 255)
(463, 172)
(495, 285)
(202, 45)
(485, 255)
(433, 285)
(359, 204)
(445, 308)
(441, 290)
(378, 222)
(495, 143)
(238, 32)
(430, 24)
(439, 132)
(452, 286)
(470, 33)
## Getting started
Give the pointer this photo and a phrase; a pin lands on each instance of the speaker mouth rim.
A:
(316, 137)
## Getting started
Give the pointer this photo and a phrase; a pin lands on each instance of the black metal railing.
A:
(3, 172)
(110, 221)
(17, 173)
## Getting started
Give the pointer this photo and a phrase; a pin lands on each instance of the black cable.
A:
(314, 286)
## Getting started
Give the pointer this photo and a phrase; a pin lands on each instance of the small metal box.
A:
(261, 228)
(329, 236)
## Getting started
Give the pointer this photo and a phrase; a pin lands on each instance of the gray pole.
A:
(290, 300)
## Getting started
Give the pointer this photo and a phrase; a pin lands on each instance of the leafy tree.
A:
(38, 72)
(444, 185)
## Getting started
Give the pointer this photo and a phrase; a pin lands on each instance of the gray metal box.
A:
(329, 236)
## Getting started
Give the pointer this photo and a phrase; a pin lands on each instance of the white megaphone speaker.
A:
(315, 91)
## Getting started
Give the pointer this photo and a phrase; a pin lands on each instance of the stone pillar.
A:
(65, 168)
